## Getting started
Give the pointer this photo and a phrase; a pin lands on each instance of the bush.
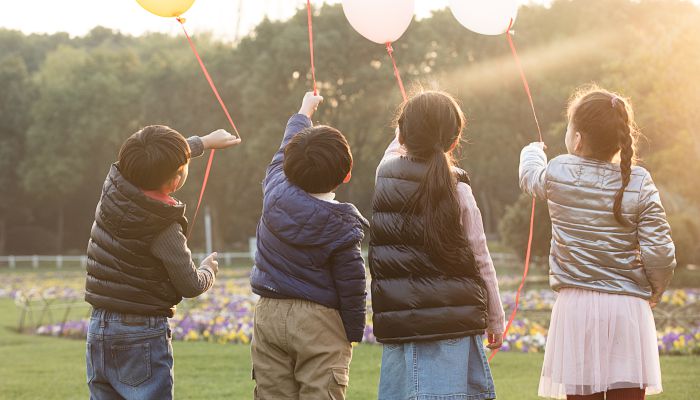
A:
(685, 226)
(515, 224)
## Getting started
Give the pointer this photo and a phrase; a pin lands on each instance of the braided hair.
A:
(606, 123)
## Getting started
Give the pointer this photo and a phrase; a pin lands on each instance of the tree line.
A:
(67, 103)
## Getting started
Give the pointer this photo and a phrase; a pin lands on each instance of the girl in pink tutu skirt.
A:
(611, 258)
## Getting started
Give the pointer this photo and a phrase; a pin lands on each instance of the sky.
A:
(77, 17)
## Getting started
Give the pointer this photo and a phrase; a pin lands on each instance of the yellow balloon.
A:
(166, 8)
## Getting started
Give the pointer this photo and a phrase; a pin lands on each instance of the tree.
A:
(15, 99)
(515, 225)
(94, 91)
(84, 110)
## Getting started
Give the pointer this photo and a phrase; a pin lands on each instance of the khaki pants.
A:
(299, 351)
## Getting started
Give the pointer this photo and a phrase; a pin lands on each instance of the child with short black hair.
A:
(317, 159)
(139, 266)
(308, 268)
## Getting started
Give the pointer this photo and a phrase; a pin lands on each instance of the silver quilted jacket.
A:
(590, 249)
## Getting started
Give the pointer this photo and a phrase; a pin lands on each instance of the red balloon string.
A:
(311, 44)
(390, 50)
(523, 78)
(532, 214)
(228, 116)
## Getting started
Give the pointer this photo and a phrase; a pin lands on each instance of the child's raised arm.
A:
(219, 139)
(533, 169)
(656, 246)
(297, 123)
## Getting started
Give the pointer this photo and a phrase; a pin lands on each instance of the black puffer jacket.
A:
(122, 275)
(413, 298)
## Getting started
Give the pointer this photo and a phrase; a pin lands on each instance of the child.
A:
(434, 287)
(611, 256)
(308, 268)
(139, 266)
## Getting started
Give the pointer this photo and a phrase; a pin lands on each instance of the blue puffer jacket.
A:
(308, 248)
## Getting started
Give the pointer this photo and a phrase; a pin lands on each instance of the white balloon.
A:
(380, 21)
(487, 17)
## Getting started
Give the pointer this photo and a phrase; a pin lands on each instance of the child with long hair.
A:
(611, 258)
(434, 288)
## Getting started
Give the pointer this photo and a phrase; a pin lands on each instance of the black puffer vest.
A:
(413, 298)
(122, 275)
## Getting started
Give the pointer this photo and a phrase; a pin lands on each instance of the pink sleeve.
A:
(395, 148)
(474, 230)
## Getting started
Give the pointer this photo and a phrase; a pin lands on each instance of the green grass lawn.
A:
(34, 367)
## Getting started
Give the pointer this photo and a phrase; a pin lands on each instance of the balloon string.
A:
(532, 214)
(311, 44)
(228, 116)
(397, 74)
(523, 78)
(522, 282)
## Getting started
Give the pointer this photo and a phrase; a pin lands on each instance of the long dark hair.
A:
(605, 121)
(430, 126)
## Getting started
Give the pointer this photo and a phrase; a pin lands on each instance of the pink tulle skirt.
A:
(597, 342)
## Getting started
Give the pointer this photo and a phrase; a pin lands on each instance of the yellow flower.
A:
(192, 335)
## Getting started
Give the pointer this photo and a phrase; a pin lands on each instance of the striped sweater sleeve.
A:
(196, 146)
(171, 248)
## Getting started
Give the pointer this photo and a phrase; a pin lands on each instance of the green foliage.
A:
(79, 98)
(515, 225)
(686, 236)
(15, 97)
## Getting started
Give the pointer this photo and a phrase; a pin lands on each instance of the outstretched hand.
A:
(310, 104)
(220, 139)
(211, 263)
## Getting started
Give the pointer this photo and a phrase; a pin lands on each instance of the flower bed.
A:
(225, 314)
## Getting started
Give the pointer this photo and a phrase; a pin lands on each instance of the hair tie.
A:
(614, 101)
(438, 148)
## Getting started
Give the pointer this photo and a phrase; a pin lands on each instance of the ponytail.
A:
(430, 124)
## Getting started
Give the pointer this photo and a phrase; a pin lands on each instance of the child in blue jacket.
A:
(308, 268)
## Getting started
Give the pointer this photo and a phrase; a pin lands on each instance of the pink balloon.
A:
(380, 21)
(487, 17)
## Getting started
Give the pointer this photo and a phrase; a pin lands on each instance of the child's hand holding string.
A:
(540, 145)
(310, 104)
(495, 341)
(220, 139)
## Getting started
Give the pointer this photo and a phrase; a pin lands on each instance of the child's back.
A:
(434, 286)
(611, 257)
(127, 222)
(590, 248)
(139, 266)
(297, 237)
(308, 268)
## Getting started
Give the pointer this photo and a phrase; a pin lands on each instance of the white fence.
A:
(225, 258)
(34, 261)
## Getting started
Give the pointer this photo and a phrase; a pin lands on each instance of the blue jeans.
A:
(452, 369)
(129, 357)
